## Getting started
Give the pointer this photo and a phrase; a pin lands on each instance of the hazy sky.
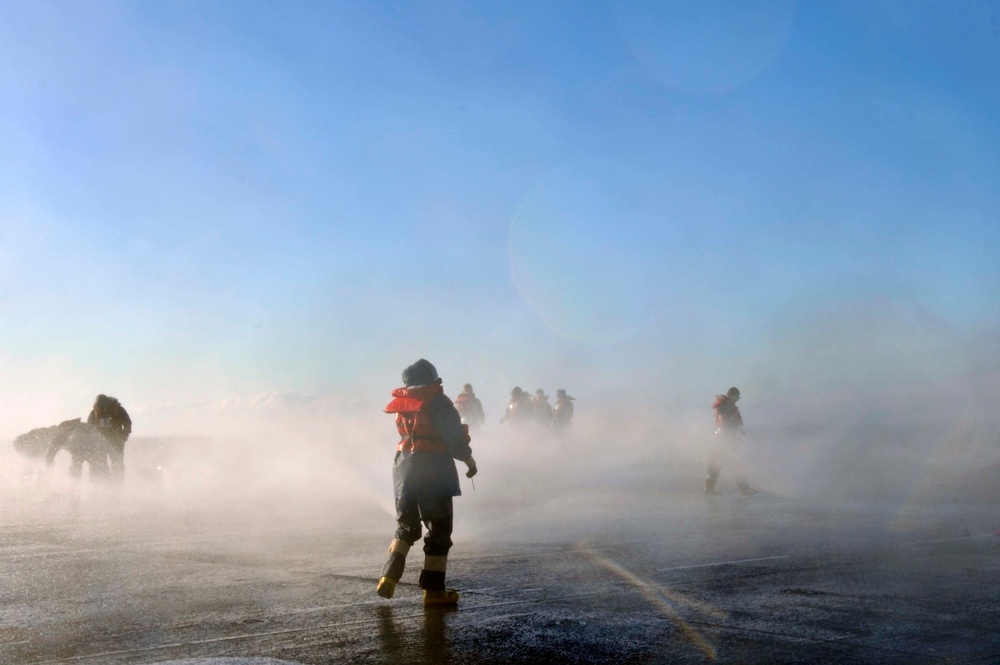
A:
(204, 201)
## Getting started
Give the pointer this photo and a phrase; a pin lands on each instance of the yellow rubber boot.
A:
(440, 597)
(393, 568)
(386, 587)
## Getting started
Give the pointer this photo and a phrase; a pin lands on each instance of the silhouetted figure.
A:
(562, 412)
(110, 419)
(432, 437)
(35, 447)
(470, 408)
(520, 410)
(85, 445)
(543, 410)
(726, 449)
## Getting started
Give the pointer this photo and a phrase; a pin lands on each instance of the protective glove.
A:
(471, 463)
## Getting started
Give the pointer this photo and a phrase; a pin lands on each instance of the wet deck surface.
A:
(682, 579)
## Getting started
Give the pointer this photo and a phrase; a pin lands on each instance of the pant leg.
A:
(408, 520)
(739, 467)
(116, 460)
(715, 463)
(98, 463)
(438, 514)
(407, 532)
(76, 466)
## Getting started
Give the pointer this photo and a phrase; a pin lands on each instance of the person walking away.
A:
(470, 408)
(425, 479)
(111, 420)
(729, 434)
(543, 410)
(562, 412)
(519, 409)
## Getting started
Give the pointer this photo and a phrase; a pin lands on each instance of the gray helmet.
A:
(420, 373)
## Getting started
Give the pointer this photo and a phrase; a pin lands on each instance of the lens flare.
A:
(705, 46)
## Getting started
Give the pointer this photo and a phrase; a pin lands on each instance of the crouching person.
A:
(425, 478)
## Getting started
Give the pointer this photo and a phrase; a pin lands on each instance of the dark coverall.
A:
(562, 413)
(111, 419)
(520, 410)
(543, 410)
(424, 483)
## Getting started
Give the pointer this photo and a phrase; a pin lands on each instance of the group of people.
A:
(434, 434)
(99, 442)
(524, 409)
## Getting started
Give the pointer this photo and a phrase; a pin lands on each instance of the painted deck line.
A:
(724, 563)
(946, 540)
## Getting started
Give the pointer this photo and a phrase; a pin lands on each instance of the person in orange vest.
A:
(425, 479)
(469, 407)
(728, 436)
(520, 408)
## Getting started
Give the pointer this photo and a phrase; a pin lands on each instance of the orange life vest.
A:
(413, 421)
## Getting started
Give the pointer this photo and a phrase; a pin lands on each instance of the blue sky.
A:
(210, 200)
